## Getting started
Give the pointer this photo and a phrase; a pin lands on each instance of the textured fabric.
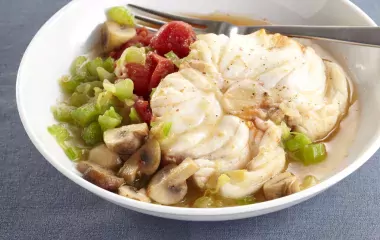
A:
(37, 202)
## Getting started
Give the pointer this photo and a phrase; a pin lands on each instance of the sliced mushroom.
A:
(168, 186)
(104, 157)
(143, 162)
(99, 176)
(126, 139)
(281, 185)
(114, 35)
(133, 193)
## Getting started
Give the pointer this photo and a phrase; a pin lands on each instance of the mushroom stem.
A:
(182, 172)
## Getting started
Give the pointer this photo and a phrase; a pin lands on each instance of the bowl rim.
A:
(161, 209)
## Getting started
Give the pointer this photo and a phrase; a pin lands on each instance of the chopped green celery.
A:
(121, 15)
(246, 200)
(285, 131)
(204, 202)
(308, 182)
(297, 142)
(110, 119)
(122, 89)
(104, 101)
(62, 112)
(97, 91)
(69, 84)
(88, 88)
(104, 74)
(134, 116)
(73, 153)
(174, 58)
(76, 68)
(109, 64)
(78, 99)
(152, 92)
(92, 134)
(85, 114)
(314, 153)
(93, 65)
(132, 55)
(60, 133)
(166, 127)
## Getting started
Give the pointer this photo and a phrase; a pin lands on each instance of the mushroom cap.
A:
(168, 186)
(114, 35)
(281, 185)
(104, 157)
(99, 176)
(145, 161)
(133, 193)
(126, 139)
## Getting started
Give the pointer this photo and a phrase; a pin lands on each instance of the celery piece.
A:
(314, 153)
(104, 74)
(62, 112)
(104, 101)
(76, 66)
(122, 89)
(93, 65)
(73, 153)
(246, 200)
(285, 131)
(134, 116)
(204, 202)
(132, 55)
(59, 132)
(110, 119)
(78, 99)
(88, 88)
(299, 141)
(85, 114)
(69, 84)
(173, 58)
(166, 127)
(109, 65)
(92, 134)
(121, 15)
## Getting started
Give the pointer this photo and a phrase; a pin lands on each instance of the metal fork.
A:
(367, 36)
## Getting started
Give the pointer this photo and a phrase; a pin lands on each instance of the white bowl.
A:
(69, 33)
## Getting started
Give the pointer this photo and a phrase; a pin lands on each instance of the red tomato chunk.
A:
(174, 36)
(143, 109)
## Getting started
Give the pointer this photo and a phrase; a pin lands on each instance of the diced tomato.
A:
(174, 36)
(143, 37)
(140, 75)
(143, 109)
(162, 67)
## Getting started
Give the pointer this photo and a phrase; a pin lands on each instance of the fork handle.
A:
(369, 36)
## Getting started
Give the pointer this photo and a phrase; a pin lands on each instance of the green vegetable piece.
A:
(110, 119)
(85, 114)
(73, 153)
(285, 131)
(134, 116)
(174, 58)
(104, 101)
(122, 89)
(78, 99)
(59, 132)
(121, 15)
(109, 65)
(132, 55)
(314, 153)
(69, 84)
(104, 74)
(62, 112)
(76, 68)
(93, 65)
(246, 201)
(204, 202)
(166, 127)
(88, 88)
(297, 142)
(308, 182)
(92, 134)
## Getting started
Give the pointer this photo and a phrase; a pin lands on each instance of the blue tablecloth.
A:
(37, 202)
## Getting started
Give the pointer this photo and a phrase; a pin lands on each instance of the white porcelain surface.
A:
(70, 33)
